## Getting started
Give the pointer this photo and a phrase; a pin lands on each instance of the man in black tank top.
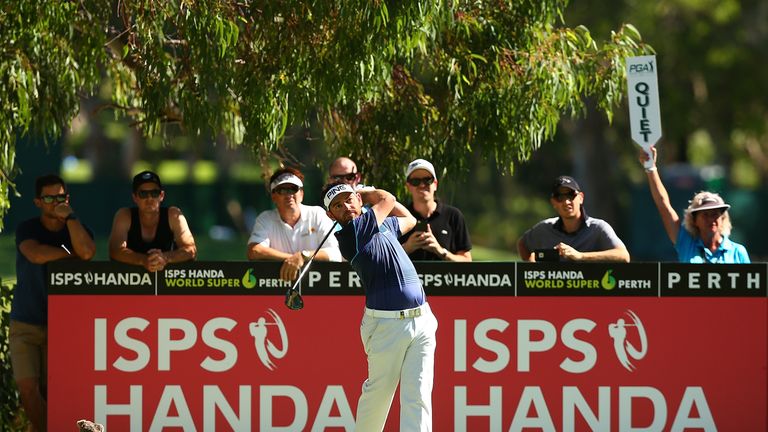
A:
(150, 235)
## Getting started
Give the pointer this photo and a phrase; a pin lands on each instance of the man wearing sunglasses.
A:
(55, 234)
(574, 235)
(149, 234)
(292, 231)
(441, 233)
(344, 170)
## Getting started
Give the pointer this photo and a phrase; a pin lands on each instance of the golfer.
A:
(398, 328)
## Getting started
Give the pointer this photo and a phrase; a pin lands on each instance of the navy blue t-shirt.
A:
(30, 298)
(387, 274)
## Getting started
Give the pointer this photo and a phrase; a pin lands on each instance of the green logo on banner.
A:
(608, 281)
(249, 280)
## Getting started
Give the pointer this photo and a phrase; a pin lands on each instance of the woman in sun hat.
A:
(705, 227)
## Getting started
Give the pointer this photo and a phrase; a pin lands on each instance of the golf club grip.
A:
(312, 258)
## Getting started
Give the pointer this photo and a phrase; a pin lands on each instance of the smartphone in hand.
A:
(421, 226)
(547, 255)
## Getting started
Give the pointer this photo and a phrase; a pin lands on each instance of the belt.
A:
(398, 314)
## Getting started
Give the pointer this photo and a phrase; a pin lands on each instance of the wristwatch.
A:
(71, 216)
(306, 255)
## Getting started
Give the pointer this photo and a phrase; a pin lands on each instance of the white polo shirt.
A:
(270, 231)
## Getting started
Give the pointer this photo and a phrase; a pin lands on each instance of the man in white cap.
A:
(572, 235)
(442, 233)
(398, 327)
(706, 225)
(292, 231)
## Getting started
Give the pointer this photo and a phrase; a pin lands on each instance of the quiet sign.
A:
(643, 89)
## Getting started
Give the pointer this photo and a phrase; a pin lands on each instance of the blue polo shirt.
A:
(387, 274)
(692, 250)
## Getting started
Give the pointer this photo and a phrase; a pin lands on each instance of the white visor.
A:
(285, 178)
(334, 192)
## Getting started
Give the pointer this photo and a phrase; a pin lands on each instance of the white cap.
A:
(420, 164)
(334, 192)
(283, 179)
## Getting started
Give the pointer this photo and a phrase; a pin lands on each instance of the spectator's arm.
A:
(458, 256)
(618, 254)
(82, 243)
(669, 217)
(185, 242)
(38, 253)
(522, 250)
(258, 251)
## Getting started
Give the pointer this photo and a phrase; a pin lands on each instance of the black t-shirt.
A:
(30, 301)
(448, 227)
(163, 236)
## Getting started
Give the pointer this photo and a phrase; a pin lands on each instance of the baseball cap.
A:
(334, 192)
(566, 182)
(146, 177)
(420, 164)
(286, 178)
(707, 201)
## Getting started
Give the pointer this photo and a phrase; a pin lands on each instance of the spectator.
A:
(56, 234)
(398, 327)
(150, 235)
(293, 231)
(706, 223)
(442, 235)
(344, 169)
(573, 234)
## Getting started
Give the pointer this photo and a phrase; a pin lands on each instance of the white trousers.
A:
(398, 350)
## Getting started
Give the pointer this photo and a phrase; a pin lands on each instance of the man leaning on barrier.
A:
(54, 235)
(149, 234)
(292, 231)
(572, 235)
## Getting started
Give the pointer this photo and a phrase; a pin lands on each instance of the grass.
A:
(208, 249)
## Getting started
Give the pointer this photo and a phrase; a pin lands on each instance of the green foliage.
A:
(388, 80)
(711, 56)
(9, 397)
(491, 87)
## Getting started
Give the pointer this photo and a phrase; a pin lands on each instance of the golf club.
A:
(293, 297)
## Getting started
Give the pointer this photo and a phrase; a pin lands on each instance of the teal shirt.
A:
(692, 250)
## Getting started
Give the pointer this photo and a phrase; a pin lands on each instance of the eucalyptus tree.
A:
(386, 79)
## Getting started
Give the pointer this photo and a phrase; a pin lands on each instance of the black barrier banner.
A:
(588, 279)
(438, 278)
(99, 277)
(685, 280)
(477, 279)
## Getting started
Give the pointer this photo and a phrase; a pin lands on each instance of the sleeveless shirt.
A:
(163, 236)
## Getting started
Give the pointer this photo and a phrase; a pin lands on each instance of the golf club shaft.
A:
(312, 258)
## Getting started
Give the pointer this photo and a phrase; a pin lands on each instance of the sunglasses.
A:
(344, 177)
(144, 194)
(286, 191)
(426, 181)
(51, 198)
(561, 197)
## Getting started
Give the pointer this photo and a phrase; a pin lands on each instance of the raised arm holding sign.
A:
(644, 112)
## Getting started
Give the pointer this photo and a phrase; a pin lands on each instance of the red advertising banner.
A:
(242, 363)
